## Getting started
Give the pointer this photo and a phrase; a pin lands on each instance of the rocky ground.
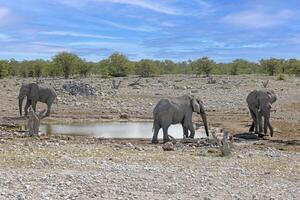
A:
(68, 167)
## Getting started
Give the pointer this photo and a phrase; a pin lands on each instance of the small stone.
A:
(168, 146)
(240, 156)
(26, 143)
(139, 148)
(124, 116)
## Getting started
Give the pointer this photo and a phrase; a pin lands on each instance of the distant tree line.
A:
(117, 65)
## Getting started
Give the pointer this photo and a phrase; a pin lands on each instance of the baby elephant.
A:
(174, 111)
(259, 104)
(35, 93)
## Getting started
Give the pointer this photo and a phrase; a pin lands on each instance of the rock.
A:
(129, 145)
(194, 91)
(79, 88)
(26, 143)
(139, 148)
(124, 116)
(42, 134)
(136, 87)
(106, 117)
(168, 146)
(77, 103)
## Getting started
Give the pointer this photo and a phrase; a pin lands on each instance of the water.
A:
(114, 130)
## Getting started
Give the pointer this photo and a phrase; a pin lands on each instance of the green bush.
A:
(3, 68)
(67, 62)
(203, 65)
(281, 77)
(146, 68)
(119, 65)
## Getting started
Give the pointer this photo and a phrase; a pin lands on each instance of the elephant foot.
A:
(154, 141)
(192, 136)
(166, 140)
(260, 135)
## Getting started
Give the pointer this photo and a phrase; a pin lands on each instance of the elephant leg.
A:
(192, 130)
(260, 123)
(257, 116)
(268, 124)
(271, 128)
(166, 136)
(49, 104)
(26, 107)
(251, 129)
(33, 103)
(265, 125)
(155, 134)
(185, 131)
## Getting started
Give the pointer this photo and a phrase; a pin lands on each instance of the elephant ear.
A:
(272, 96)
(195, 105)
(33, 91)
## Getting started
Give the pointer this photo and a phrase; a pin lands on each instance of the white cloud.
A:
(4, 12)
(156, 6)
(257, 18)
(6, 16)
(143, 28)
(5, 38)
(74, 34)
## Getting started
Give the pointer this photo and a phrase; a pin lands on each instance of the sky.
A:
(179, 30)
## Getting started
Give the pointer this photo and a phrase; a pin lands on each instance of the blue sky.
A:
(157, 29)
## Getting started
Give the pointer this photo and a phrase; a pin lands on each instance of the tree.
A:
(67, 62)
(119, 65)
(84, 67)
(203, 65)
(13, 67)
(3, 68)
(293, 66)
(270, 65)
(103, 68)
(146, 68)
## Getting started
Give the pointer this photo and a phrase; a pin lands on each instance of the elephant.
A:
(35, 93)
(259, 104)
(174, 111)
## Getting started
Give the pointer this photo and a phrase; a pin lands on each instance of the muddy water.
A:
(114, 130)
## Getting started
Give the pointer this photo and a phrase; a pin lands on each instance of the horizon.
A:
(159, 30)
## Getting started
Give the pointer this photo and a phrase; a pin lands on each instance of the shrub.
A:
(281, 77)
(119, 65)
(146, 68)
(67, 62)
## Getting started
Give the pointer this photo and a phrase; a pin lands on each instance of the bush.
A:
(271, 65)
(67, 62)
(3, 69)
(281, 77)
(119, 65)
(203, 65)
(146, 68)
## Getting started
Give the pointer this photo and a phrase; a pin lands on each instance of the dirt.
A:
(68, 167)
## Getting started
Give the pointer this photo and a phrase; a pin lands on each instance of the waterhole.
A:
(114, 130)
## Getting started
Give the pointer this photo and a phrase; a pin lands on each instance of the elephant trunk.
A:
(20, 105)
(203, 116)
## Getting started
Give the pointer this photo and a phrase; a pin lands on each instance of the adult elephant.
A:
(259, 104)
(174, 111)
(35, 93)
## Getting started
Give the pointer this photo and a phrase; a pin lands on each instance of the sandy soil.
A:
(84, 168)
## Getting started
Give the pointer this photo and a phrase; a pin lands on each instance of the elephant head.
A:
(30, 91)
(197, 106)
